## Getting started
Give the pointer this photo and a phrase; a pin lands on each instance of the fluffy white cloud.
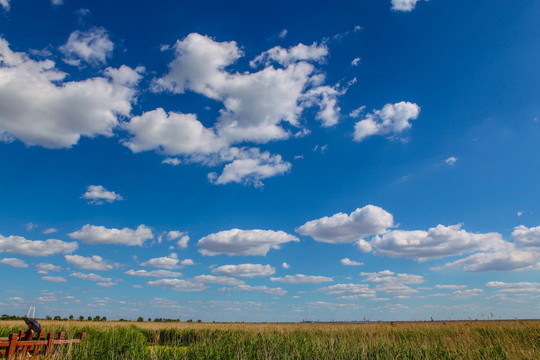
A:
(504, 285)
(392, 119)
(171, 134)
(389, 277)
(343, 228)
(94, 262)
(404, 5)
(437, 242)
(243, 242)
(451, 160)
(20, 245)
(107, 284)
(302, 279)
(289, 56)
(218, 280)
(250, 167)
(92, 46)
(450, 287)
(14, 262)
(165, 262)
(97, 194)
(507, 260)
(245, 270)
(39, 108)
(265, 289)
(178, 285)
(53, 279)
(527, 236)
(93, 235)
(44, 268)
(349, 262)
(90, 276)
(49, 231)
(285, 265)
(356, 290)
(187, 262)
(5, 4)
(154, 273)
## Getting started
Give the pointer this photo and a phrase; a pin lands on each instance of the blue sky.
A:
(368, 159)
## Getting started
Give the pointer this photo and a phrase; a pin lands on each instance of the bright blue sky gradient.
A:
(266, 166)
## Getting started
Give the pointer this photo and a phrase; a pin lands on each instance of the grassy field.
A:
(400, 340)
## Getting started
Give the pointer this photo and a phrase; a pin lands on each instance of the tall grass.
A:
(437, 340)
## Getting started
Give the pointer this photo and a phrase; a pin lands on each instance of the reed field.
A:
(400, 340)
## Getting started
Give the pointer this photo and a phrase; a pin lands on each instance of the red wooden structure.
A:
(24, 345)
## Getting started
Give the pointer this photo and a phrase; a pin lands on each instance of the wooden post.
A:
(50, 343)
(10, 354)
(37, 348)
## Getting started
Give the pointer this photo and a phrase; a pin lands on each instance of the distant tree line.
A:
(89, 318)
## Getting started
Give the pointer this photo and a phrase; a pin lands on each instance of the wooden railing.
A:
(24, 345)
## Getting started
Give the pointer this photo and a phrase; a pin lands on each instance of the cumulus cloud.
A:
(97, 194)
(437, 242)
(154, 273)
(20, 245)
(5, 4)
(450, 287)
(404, 5)
(392, 119)
(178, 285)
(165, 262)
(44, 268)
(250, 167)
(291, 55)
(285, 265)
(302, 279)
(265, 289)
(245, 270)
(49, 231)
(451, 161)
(507, 260)
(94, 262)
(92, 46)
(53, 279)
(90, 276)
(218, 280)
(93, 235)
(39, 108)
(355, 290)
(393, 283)
(14, 262)
(527, 236)
(243, 242)
(349, 262)
(343, 228)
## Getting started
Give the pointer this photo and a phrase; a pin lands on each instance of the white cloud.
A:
(166, 262)
(465, 294)
(504, 285)
(92, 46)
(107, 284)
(44, 268)
(218, 280)
(265, 289)
(285, 265)
(451, 160)
(507, 260)
(93, 235)
(39, 108)
(404, 5)
(349, 262)
(357, 290)
(393, 283)
(182, 243)
(20, 245)
(94, 262)
(49, 231)
(14, 262)
(437, 242)
(57, 2)
(171, 161)
(30, 226)
(250, 167)
(154, 273)
(302, 279)
(283, 33)
(53, 279)
(356, 112)
(392, 119)
(90, 276)
(97, 194)
(527, 236)
(187, 262)
(178, 285)
(5, 4)
(243, 242)
(343, 228)
(356, 62)
(291, 55)
(245, 270)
